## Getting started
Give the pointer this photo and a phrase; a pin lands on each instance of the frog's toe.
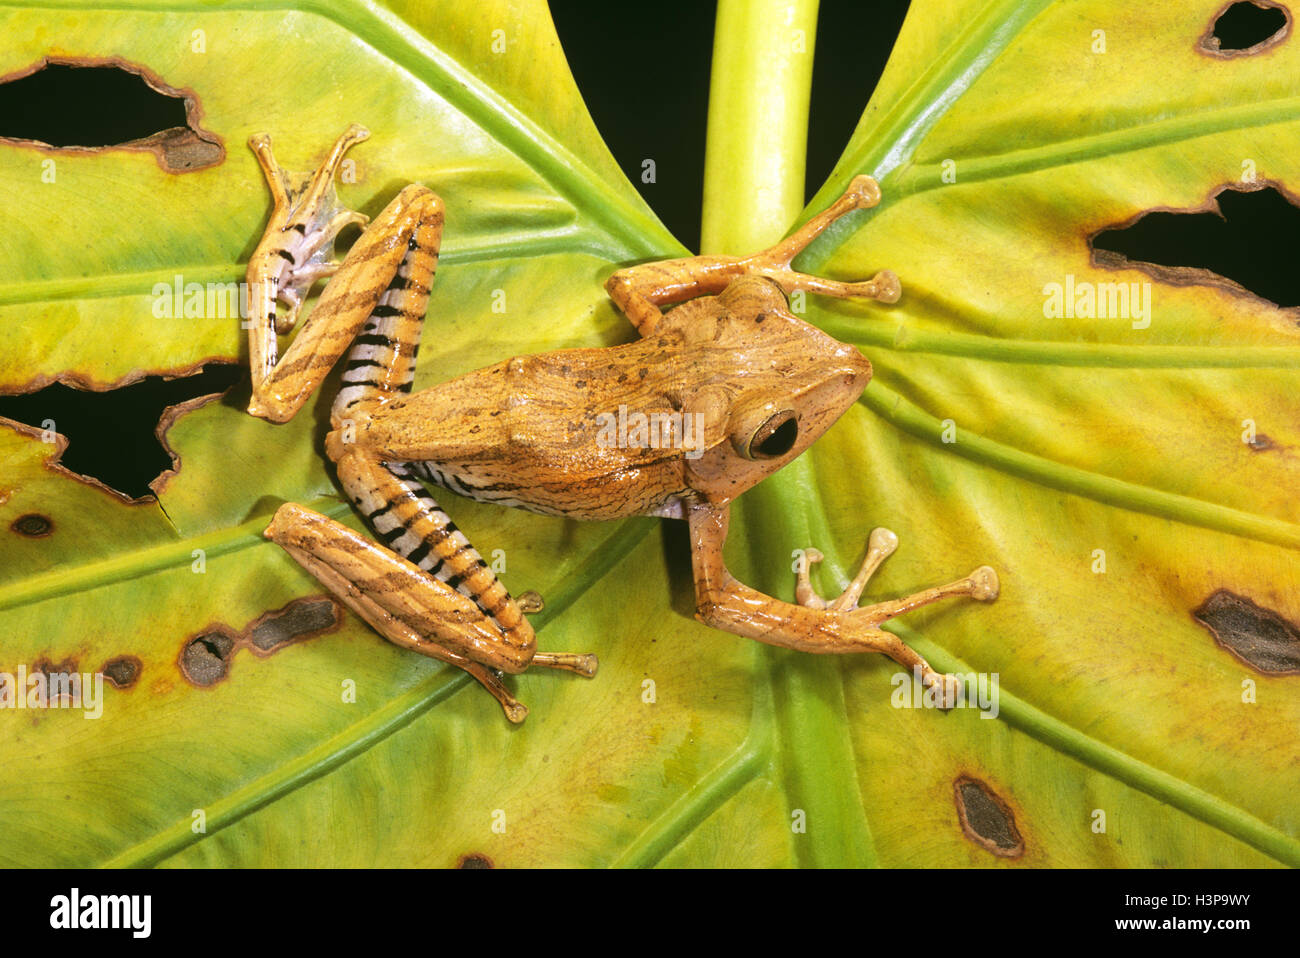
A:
(984, 584)
(804, 592)
(948, 689)
(864, 190)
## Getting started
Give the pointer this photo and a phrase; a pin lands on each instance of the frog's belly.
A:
(632, 491)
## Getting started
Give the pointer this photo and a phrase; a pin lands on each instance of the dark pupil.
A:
(780, 440)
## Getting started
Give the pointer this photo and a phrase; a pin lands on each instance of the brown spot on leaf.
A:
(33, 525)
(181, 149)
(59, 677)
(123, 671)
(1257, 636)
(1261, 443)
(1243, 28)
(206, 656)
(475, 860)
(300, 619)
(986, 818)
(48, 667)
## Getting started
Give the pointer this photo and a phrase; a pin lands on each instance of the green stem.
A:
(758, 122)
(753, 191)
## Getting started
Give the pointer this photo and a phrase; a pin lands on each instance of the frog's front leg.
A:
(837, 627)
(641, 291)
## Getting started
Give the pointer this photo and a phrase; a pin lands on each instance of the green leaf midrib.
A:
(135, 284)
(900, 338)
(162, 557)
(921, 178)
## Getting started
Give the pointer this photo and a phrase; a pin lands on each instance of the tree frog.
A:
(735, 384)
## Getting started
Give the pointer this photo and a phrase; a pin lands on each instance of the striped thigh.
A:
(409, 522)
(381, 361)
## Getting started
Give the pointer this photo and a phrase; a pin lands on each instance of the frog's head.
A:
(786, 383)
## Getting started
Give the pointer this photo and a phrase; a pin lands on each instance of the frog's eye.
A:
(775, 437)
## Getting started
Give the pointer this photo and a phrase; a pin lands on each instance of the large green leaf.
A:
(1071, 436)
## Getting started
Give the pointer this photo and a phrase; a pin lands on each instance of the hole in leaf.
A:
(112, 435)
(475, 860)
(33, 525)
(85, 106)
(105, 104)
(1258, 636)
(205, 657)
(205, 660)
(987, 819)
(1247, 27)
(1237, 235)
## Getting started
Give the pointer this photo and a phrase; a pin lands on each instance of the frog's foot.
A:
(880, 546)
(982, 585)
(298, 245)
(583, 663)
(812, 626)
(774, 263)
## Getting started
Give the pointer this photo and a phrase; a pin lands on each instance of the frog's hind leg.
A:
(411, 523)
(398, 600)
(376, 300)
(425, 588)
(381, 363)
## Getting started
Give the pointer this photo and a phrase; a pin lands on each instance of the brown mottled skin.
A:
(763, 383)
(719, 357)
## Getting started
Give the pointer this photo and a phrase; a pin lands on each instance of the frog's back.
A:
(586, 433)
